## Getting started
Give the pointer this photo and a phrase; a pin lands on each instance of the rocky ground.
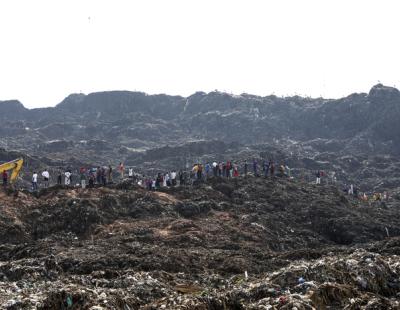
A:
(248, 243)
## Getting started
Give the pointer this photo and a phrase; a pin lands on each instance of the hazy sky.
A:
(50, 49)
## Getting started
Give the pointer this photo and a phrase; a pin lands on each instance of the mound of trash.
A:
(243, 243)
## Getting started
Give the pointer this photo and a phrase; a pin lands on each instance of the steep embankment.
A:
(356, 137)
(131, 119)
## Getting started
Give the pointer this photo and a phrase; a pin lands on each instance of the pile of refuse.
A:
(358, 280)
(247, 243)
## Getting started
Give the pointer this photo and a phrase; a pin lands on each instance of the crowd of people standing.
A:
(228, 169)
(100, 175)
(104, 175)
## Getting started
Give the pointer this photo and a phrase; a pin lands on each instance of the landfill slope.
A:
(356, 136)
(246, 243)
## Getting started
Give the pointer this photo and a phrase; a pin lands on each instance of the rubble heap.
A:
(247, 243)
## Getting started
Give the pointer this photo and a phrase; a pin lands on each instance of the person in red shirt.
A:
(121, 170)
(235, 171)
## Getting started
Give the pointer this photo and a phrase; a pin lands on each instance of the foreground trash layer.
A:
(226, 244)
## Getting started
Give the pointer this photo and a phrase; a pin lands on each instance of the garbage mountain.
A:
(350, 133)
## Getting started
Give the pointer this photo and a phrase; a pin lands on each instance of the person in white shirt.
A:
(130, 173)
(215, 168)
(46, 177)
(173, 178)
(34, 181)
(67, 177)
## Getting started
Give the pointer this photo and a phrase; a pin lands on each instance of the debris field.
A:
(246, 243)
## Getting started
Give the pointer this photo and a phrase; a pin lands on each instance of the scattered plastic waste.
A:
(196, 249)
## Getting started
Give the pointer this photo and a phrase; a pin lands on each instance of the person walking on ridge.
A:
(109, 174)
(271, 168)
(67, 177)
(318, 175)
(255, 167)
(34, 181)
(59, 177)
(265, 168)
(46, 177)
(121, 170)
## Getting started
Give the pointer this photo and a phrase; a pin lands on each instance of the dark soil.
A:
(192, 247)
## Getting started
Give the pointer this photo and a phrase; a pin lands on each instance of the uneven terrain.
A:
(357, 137)
(247, 243)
